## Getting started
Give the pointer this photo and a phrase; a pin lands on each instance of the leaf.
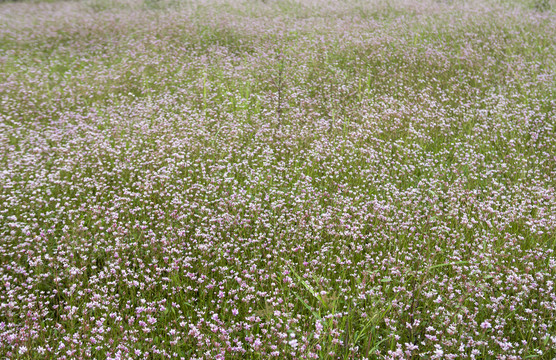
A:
(316, 315)
(369, 323)
(307, 286)
(448, 264)
(374, 348)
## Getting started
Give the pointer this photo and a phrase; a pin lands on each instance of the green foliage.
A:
(349, 166)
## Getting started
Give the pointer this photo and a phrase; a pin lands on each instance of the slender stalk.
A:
(280, 85)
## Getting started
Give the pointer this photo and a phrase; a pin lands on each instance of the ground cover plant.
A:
(277, 179)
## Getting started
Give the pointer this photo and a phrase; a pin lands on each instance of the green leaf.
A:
(448, 264)
(315, 314)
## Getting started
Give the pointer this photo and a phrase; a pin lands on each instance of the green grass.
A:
(357, 166)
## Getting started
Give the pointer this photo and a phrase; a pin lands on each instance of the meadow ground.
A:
(278, 179)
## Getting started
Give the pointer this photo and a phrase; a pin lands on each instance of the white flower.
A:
(438, 352)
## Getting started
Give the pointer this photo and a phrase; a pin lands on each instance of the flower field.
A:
(278, 179)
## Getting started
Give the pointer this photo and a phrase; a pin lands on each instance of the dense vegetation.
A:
(305, 180)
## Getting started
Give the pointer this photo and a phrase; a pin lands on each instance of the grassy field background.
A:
(278, 179)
